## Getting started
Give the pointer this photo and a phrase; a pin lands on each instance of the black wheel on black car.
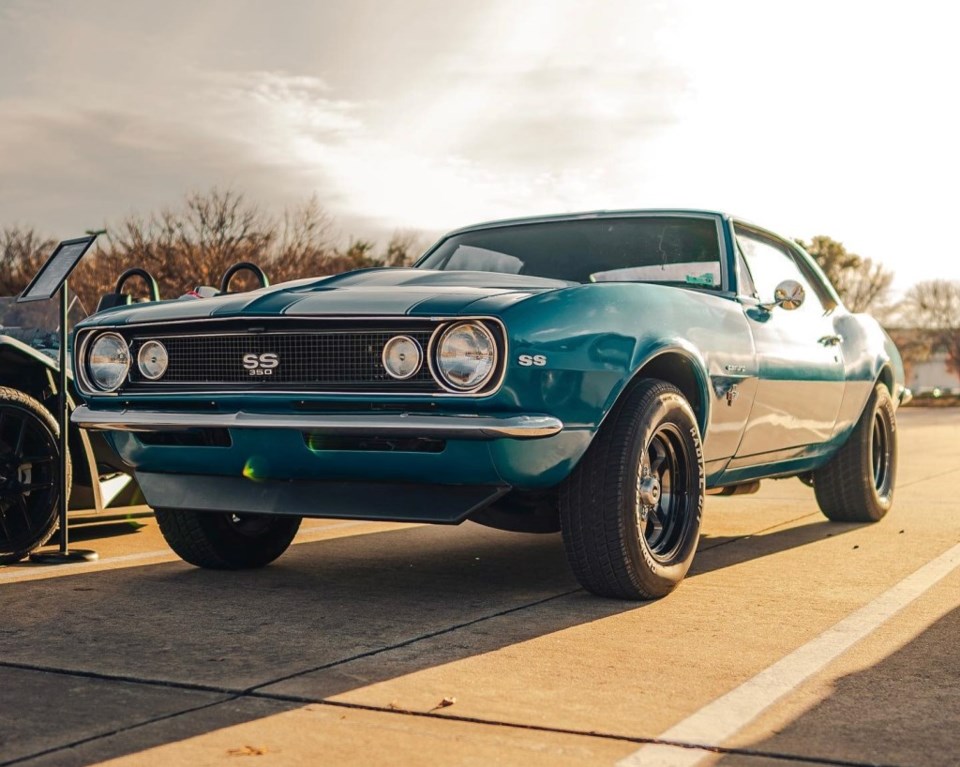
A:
(29, 475)
(220, 540)
(857, 484)
(630, 511)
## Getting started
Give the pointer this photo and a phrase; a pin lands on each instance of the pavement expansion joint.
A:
(913, 482)
(256, 693)
(257, 690)
(761, 531)
(117, 731)
(412, 640)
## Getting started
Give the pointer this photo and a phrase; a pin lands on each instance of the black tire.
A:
(857, 484)
(29, 475)
(219, 540)
(648, 450)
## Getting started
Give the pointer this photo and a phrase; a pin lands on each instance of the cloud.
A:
(68, 171)
(561, 118)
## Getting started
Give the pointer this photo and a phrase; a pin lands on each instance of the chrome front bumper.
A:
(475, 427)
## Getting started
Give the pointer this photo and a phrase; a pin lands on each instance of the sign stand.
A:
(51, 278)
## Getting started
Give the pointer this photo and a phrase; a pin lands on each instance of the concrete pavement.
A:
(347, 648)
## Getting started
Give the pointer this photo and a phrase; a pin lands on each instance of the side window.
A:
(770, 263)
(744, 280)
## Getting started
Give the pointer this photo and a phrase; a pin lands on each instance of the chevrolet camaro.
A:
(594, 374)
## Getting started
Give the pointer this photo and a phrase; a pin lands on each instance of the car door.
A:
(800, 361)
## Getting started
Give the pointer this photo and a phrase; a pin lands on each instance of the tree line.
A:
(194, 244)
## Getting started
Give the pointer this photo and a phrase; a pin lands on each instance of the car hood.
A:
(368, 292)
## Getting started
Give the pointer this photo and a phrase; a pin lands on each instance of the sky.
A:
(836, 118)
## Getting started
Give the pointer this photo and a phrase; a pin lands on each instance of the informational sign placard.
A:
(58, 267)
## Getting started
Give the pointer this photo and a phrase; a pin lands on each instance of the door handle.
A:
(834, 340)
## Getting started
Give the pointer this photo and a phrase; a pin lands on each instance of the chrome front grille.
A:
(325, 360)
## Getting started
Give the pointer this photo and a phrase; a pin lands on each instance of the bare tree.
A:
(935, 306)
(194, 244)
(304, 243)
(181, 248)
(865, 288)
(22, 252)
(862, 283)
(403, 248)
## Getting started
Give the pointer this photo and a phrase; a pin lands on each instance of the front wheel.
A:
(220, 540)
(29, 475)
(630, 512)
(857, 485)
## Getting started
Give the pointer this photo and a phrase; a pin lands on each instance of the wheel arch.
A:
(886, 377)
(680, 364)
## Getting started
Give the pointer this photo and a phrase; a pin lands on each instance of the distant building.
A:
(925, 365)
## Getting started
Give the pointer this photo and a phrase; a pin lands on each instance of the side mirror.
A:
(789, 295)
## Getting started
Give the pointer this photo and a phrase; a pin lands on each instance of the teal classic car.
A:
(595, 374)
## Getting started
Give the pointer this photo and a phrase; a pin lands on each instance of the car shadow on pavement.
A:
(191, 638)
(95, 529)
(902, 710)
(716, 552)
(129, 646)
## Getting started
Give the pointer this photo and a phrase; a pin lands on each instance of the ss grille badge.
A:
(261, 364)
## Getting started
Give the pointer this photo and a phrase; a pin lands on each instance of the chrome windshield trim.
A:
(392, 424)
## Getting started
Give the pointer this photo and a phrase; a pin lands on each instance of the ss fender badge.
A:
(261, 364)
(532, 360)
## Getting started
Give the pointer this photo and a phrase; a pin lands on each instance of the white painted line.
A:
(32, 573)
(25, 573)
(718, 721)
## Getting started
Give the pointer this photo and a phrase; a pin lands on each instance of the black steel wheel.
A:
(29, 475)
(220, 540)
(630, 512)
(857, 484)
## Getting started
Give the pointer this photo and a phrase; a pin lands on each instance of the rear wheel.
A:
(630, 512)
(225, 541)
(29, 475)
(857, 485)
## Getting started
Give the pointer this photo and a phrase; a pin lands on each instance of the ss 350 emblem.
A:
(261, 364)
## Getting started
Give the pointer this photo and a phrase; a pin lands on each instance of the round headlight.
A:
(152, 360)
(108, 362)
(401, 357)
(466, 356)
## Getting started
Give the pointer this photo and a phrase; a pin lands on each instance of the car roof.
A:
(592, 214)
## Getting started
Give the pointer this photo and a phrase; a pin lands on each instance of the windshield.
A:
(665, 249)
(37, 323)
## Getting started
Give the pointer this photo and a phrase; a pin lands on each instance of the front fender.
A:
(593, 340)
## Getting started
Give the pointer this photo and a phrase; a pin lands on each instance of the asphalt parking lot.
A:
(792, 641)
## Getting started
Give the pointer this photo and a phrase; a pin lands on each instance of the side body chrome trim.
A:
(359, 425)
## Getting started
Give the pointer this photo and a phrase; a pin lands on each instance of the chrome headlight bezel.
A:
(122, 360)
(440, 370)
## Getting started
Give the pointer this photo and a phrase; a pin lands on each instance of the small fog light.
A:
(152, 360)
(402, 357)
